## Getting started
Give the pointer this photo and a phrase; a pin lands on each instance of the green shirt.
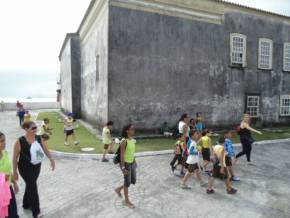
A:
(5, 164)
(129, 155)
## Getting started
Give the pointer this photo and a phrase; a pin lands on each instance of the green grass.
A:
(88, 139)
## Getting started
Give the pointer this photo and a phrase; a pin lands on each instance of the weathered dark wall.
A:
(162, 66)
(76, 76)
(65, 78)
(94, 85)
(71, 76)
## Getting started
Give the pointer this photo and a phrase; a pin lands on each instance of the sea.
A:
(23, 100)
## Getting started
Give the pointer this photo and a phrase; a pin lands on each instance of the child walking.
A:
(192, 161)
(206, 150)
(219, 168)
(230, 155)
(177, 155)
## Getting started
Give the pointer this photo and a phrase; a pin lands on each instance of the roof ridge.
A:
(252, 8)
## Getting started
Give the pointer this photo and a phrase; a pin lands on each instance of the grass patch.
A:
(87, 139)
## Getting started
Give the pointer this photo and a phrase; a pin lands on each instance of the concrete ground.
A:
(83, 189)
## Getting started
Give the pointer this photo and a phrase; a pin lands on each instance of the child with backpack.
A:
(177, 155)
(206, 150)
(220, 169)
(192, 160)
(230, 154)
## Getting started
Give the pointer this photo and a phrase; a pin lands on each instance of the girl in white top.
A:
(192, 161)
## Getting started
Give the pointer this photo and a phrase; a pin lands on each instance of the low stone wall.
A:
(33, 105)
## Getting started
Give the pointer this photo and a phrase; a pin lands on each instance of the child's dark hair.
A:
(125, 129)
(183, 116)
(228, 131)
(27, 125)
(192, 119)
(222, 140)
(205, 131)
(192, 132)
(45, 137)
(110, 123)
(1, 134)
(46, 120)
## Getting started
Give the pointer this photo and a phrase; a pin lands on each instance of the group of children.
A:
(217, 161)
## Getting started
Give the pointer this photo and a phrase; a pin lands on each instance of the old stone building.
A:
(148, 61)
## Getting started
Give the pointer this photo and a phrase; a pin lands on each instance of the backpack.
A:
(238, 129)
(117, 157)
(175, 132)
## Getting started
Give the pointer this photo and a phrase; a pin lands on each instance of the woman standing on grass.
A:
(246, 138)
(128, 163)
(6, 168)
(29, 151)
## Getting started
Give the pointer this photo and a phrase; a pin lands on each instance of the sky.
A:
(32, 32)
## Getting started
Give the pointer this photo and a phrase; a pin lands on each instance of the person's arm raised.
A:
(247, 126)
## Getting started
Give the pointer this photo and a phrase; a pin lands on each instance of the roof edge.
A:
(252, 9)
(67, 37)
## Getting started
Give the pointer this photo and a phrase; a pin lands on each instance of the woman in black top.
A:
(246, 137)
(28, 171)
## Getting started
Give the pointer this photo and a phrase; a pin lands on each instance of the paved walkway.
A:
(80, 189)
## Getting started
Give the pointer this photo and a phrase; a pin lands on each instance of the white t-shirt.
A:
(180, 128)
(192, 158)
(68, 124)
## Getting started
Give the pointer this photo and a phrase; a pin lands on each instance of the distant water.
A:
(13, 100)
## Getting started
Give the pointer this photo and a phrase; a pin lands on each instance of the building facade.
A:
(149, 61)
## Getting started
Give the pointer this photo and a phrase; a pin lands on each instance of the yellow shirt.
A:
(206, 142)
(218, 150)
(27, 118)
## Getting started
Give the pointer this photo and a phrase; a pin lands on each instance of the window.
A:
(285, 105)
(286, 62)
(265, 54)
(253, 105)
(238, 50)
(97, 68)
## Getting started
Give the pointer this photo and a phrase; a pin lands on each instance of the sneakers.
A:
(235, 179)
(232, 191)
(184, 186)
(105, 160)
(211, 191)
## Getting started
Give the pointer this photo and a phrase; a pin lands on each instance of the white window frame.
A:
(263, 56)
(248, 111)
(286, 57)
(284, 109)
(243, 62)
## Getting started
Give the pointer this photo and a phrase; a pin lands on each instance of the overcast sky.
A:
(32, 32)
